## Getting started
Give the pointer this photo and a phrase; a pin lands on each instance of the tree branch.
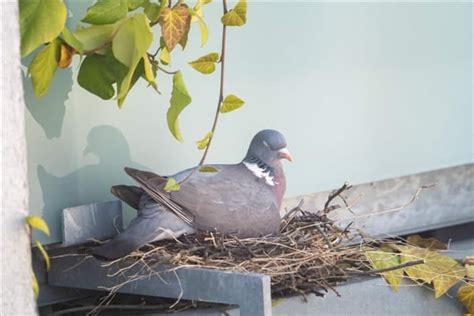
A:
(219, 101)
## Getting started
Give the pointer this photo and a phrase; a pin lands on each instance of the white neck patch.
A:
(260, 173)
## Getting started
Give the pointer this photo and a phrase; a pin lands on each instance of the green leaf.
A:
(148, 72)
(165, 56)
(466, 296)
(208, 169)
(173, 24)
(95, 36)
(41, 21)
(37, 223)
(231, 103)
(180, 99)
(44, 254)
(129, 46)
(236, 16)
(35, 285)
(43, 67)
(202, 144)
(152, 11)
(135, 4)
(106, 12)
(205, 64)
(383, 259)
(98, 74)
(202, 26)
(72, 41)
(171, 185)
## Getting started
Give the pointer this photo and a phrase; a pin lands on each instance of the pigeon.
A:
(240, 199)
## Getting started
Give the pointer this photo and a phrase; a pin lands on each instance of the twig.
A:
(396, 209)
(221, 97)
(333, 195)
(400, 266)
(326, 239)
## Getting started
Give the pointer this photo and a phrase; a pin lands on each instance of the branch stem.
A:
(219, 101)
(400, 266)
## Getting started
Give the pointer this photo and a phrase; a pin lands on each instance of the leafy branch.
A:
(116, 42)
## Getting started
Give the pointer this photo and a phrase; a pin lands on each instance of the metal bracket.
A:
(250, 291)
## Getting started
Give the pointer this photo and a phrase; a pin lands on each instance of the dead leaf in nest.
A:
(442, 271)
(429, 243)
(466, 296)
(382, 259)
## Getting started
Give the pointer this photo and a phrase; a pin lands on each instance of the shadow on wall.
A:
(50, 120)
(90, 183)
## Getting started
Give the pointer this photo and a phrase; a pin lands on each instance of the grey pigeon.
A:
(241, 199)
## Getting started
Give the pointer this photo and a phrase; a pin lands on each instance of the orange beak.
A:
(285, 154)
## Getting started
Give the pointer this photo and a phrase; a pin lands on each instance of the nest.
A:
(309, 255)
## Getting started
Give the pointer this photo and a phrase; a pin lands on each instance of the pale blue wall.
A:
(361, 91)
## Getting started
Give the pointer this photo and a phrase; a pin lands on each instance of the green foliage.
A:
(231, 103)
(43, 67)
(202, 25)
(236, 16)
(98, 74)
(135, 4)
(202, 144)
(94, 38)
(35, 285)
(205, 64)
(37, 223)
(72, 41)
(41, 21)
(208, 169)
(106, 12)
(129, 45)
(153, 11)
(114, 46)
(171, 185)
(44, 254)
(180, 99)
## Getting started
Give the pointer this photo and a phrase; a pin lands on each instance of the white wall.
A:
(16, 293)
(362, 91)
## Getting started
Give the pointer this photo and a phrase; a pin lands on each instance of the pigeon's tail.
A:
(140, 232)
(115, 249)
(129, 194)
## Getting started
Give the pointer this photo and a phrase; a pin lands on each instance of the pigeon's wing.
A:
(153, 223)
(153, 184)
(232, 200)
(129, 194)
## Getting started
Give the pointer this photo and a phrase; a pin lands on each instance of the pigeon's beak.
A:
(285, 154)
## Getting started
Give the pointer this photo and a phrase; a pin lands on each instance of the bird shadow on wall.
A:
(90, 183)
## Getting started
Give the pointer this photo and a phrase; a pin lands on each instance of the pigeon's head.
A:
(269, 146)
